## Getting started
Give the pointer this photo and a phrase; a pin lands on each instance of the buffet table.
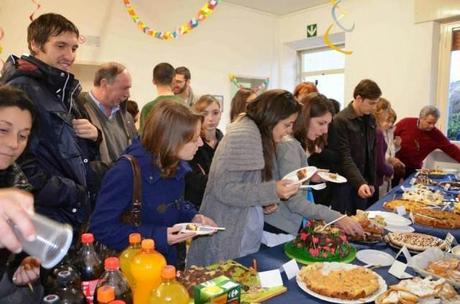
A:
(396, 192)
(274, 258)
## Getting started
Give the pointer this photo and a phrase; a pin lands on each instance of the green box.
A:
(220, 290)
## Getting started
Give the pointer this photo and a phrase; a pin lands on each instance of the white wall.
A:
(233, 40)
(387, 47)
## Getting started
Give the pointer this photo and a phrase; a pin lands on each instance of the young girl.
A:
(195, 181)
(241, 180)
(171, 138)
(310, 136)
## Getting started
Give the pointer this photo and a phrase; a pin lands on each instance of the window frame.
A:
(443, 79)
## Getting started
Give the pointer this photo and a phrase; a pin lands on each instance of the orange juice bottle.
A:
(146, 270)
(105, 294)
(170, 290)
(127, 255)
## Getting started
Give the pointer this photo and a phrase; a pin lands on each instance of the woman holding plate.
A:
(309, 136)
(241, 179)
(171, 137)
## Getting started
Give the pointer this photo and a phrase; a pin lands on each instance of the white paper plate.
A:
(200, 229)
(325, 175)
(375, 257)
(391, 219)
(311, 170)
(371, 298)
(399, 228)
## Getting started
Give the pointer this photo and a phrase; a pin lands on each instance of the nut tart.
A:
(437, 218)
(414, 241)
(407, 204)
(418, 290)
(344, 282)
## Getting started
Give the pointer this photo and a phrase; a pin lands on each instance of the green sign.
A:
(312, 30)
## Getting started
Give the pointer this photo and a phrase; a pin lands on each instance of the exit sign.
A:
(312, 30)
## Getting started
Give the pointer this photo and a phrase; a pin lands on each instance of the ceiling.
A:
(278, 7)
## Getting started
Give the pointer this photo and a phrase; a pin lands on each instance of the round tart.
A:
(339, 281)
(414, 241)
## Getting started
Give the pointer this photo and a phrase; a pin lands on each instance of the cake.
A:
(319, 243)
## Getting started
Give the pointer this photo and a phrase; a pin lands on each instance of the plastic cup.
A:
(51, 243)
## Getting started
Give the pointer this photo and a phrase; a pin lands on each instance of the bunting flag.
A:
(181, 30)
(256, 90)
(327, 40)
(38, 5)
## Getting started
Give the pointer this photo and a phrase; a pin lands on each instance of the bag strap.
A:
(137, 190)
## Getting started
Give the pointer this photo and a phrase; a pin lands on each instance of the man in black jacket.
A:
(352, 139)
(56, 162)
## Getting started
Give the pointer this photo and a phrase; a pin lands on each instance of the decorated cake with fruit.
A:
(317, 242)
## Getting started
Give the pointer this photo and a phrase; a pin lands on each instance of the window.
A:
(325, 68)
(448, 94)
(453, 129)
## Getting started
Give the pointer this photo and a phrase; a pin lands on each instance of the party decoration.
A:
(181, 30)
(31, 17)
(326, 38)
(257, 89)
(337, 20)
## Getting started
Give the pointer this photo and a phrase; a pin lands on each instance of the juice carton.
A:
(220, 290)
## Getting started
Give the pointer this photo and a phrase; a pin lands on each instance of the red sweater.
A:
(417, 144)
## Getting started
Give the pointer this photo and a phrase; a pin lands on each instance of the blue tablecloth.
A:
(273, 258)
(397, 193)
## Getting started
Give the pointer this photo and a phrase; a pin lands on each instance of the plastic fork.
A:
(314, 187)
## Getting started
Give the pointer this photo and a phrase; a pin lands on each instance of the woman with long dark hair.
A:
(241, 179)
(310, 136)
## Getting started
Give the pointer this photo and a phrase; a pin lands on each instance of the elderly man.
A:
(106, 105)
(419, 137)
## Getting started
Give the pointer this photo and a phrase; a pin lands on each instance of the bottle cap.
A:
(168, 272)
(134, 238)
(111, 263)
(148, 244)
(87, 238)
(105, 294)
(64, 277)
(52, 298)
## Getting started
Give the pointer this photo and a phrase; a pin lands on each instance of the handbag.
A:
(132, 216)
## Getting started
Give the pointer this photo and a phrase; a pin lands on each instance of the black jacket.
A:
(56, 162)
(195, 181)
(352, 139)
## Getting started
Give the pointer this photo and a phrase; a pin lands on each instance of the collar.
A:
(102, 108)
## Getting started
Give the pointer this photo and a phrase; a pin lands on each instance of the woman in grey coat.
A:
(240, 181)
(310, 136)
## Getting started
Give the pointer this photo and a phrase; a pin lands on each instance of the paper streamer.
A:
(32, 16)
(326, 38)
(337, 20)
(181, 30)
(256, 90)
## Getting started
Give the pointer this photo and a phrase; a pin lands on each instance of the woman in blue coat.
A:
(171, 137)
